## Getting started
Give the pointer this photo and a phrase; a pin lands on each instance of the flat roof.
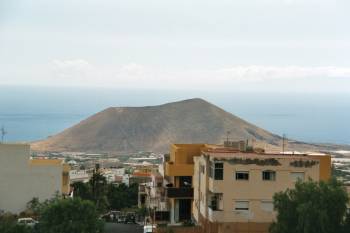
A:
(228, 152)
(46, 161)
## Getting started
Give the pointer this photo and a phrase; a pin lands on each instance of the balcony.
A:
(183, 192)
(215, 215)
(173, 169)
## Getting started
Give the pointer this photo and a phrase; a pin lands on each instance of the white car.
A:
(27, 221)
(149, 228)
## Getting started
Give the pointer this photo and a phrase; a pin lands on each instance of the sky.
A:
(245, 45)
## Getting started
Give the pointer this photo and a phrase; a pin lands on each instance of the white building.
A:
(23, 178)
(79, 176)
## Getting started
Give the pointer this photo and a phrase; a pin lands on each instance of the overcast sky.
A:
(271, 45)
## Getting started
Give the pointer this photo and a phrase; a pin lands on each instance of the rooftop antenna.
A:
(3, 133)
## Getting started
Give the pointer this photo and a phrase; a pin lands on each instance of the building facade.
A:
(23, 178)
(233, 190)
(178, 180)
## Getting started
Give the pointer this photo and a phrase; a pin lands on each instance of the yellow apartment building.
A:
(233, 190)
(23, 178)
(178, 173)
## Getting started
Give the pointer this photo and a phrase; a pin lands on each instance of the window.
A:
(242, 175)
(216, 170)
(297, 176)
(267, 206)
(242, 205)
(269, 175)
(215, 201)
(202, 169)
(185, 181)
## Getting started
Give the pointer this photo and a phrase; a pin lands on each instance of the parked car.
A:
(27, 221)
(114, 214)
(130, 218)
(121, 219)
(149, 228)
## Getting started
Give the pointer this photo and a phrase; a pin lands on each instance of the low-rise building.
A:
(178, 172)
(79, 176)
(23, 178)
(233, 190)
(151, 196)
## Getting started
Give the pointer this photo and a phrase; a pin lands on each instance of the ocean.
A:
(35, 113)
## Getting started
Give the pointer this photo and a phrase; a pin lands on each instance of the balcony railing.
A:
(182, 192)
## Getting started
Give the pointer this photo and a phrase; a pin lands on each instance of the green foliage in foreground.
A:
(122, 196)
(8, 224)
(107, 196)
(312, 207)
(70, 215)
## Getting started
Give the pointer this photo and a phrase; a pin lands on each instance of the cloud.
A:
(71, 69)
(82, 73)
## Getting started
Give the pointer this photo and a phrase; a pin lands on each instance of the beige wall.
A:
(184, 153)
(21, 180)
(255, 190)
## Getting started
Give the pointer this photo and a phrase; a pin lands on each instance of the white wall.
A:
(20, 181)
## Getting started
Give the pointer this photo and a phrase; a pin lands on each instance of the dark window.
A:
(216, 171)
(219, 171)
(242, 175)
(185, 181)
(269, 175)
(214, 202)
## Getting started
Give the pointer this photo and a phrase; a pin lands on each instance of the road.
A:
(123, 228)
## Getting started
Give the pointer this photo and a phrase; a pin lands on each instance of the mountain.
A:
(154, 128)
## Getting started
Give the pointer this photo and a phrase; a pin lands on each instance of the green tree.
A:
(117, 196)
(98, 184)
(34, 207)
(347, 223)
(8, 224)
(133, 190)
(122, 196)
(82, 190)
(311, 207)
(70, 215)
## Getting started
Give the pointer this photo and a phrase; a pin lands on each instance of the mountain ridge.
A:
(154, 128)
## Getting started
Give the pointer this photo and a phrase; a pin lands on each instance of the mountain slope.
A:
(153, 128)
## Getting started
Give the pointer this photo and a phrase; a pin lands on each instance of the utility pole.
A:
(283, 141)
(3, 133)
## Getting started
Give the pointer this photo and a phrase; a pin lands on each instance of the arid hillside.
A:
(154, 128)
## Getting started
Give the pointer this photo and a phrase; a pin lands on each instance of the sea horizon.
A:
(35, 113)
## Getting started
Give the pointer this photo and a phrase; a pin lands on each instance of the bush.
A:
(70, 215)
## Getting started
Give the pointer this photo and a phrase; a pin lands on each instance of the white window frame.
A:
(296, 178)
(269, 171)
(240, 205)
(244, 172)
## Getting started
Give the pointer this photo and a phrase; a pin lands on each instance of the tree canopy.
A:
(8, 224)
(122, 196)
(312, 207)
(105, 195)
(70, 215)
